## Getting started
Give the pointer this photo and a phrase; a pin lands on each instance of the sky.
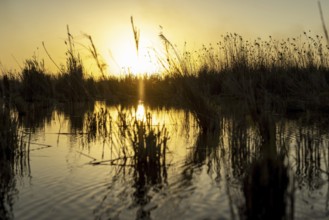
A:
(25, 24)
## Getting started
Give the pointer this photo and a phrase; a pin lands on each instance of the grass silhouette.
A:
(284, 75)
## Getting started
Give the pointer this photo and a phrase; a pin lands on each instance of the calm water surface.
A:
(79, 170)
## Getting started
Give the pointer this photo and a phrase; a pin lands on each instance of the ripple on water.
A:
(64, 187)
(68, 194)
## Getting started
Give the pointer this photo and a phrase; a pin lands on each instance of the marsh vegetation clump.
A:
(98, 124)
(8, 152)
(9, 134)
(149, 142)
(287, 75)
(142, 143)
(71, 84)
(146, 141)
(13, 159)
(36, 85)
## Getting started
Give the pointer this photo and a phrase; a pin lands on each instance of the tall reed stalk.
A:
(13, 157)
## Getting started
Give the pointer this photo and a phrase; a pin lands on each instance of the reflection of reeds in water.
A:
(306, 143)
(9, 135)
(254, 165)
(143, 143)
(265, 185)
(76, 113)
(13, 160)
(98, 124)
(309, 158)
(149, 161)
(12, 146)
(254, 160)
(242, 146)
(148, 144)
(265, 190)
(8, 151)
(295, 161)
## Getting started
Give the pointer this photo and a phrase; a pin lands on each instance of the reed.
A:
(98, 124)
(101, 65)
(148, 141)
(36, 85)
(13, 158)
(9, 135)
(292, 72)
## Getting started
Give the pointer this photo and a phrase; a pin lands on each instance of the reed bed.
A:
(141, 141)
(13, 159)
(148, 142)
(9, 135)
(266, 75)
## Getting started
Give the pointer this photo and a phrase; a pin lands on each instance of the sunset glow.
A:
(197, 23)
(129, 61)
(171, 109)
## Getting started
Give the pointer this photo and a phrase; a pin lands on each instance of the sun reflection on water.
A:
(140, 111)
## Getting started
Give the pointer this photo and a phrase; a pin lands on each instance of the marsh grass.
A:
(142, 151)
(73, 77)
(148, 141)
(36, 85)
(101, 65)
(9, 134)
(284, 75)
(98, 124)
(142, 142)
(14, 154)
(146, 150)
(149, 145)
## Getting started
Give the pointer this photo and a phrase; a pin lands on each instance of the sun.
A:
(124, 58)
(139, 63)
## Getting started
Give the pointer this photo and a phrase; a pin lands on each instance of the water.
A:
(77, 171)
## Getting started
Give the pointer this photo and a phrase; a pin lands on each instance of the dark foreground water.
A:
(82, 163)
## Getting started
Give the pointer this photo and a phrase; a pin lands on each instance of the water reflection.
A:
(151, 161)
(265, 184)
(308, 158)
(140, 112)
(35, 116)
(76, 114)
(14, 160)
(142, 153)
(7, 190)
(149, 146)
(243, 144)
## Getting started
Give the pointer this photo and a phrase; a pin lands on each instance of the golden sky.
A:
(25, 24)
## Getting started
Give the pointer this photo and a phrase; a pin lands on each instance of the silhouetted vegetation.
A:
(293, 73)
(237, 89)
(13, 159)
